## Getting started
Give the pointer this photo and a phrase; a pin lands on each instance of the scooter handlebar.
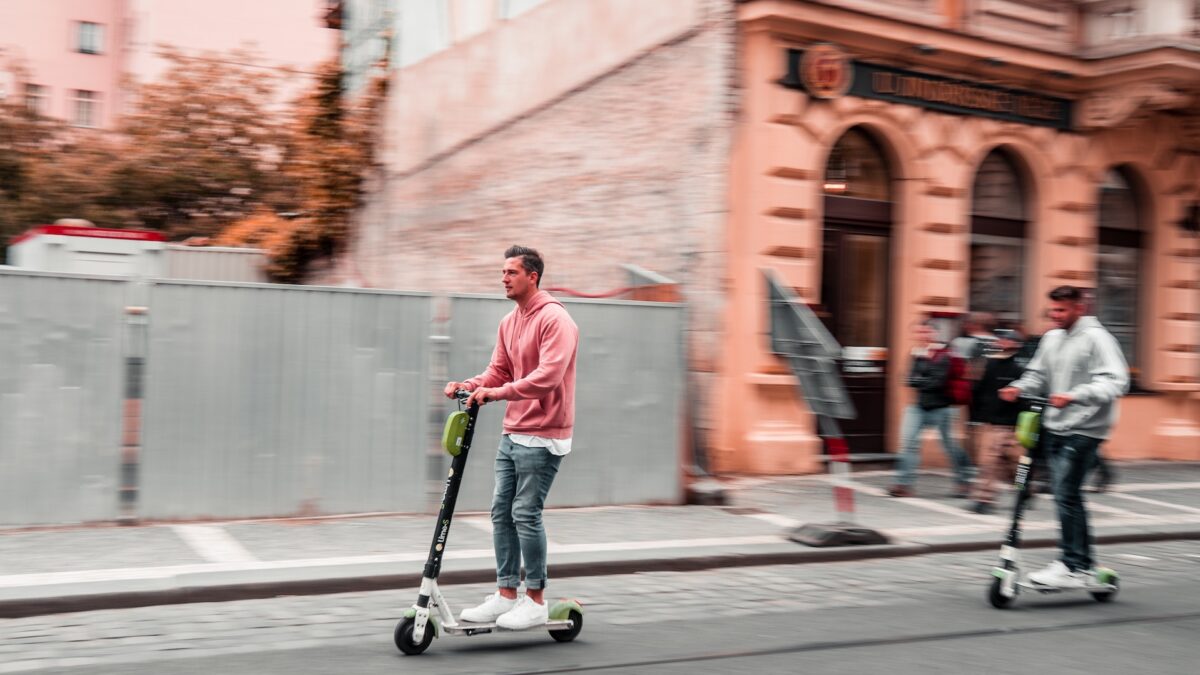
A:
(462, 394)
(1035, 400)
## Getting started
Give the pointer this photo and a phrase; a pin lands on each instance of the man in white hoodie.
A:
(1079, 365)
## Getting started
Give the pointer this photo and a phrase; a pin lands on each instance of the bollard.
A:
(131, 432)
(846, 531)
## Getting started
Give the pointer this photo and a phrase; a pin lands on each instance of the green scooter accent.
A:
(1028, 428)
(452, 434)
(411, 613)
(561, 611)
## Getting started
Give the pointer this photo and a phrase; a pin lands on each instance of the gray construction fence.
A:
(159, 400)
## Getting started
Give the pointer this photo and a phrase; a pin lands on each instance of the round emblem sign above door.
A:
(825, 71)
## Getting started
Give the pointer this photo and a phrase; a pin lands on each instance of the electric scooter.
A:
(1008, 579)
(431, 616)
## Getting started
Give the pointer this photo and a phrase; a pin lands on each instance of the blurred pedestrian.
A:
(1079, 363)
(533, 368)
(973, 346)
(928, 374)
(999, 450)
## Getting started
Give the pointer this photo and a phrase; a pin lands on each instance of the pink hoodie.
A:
(534, 367)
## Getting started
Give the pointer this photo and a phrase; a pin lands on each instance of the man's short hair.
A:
(531, 260)
(1066, 294)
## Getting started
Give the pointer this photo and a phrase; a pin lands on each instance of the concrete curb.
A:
(359, 578)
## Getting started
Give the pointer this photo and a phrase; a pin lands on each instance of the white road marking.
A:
(1104, 508)
(166, 572)
(213, 543)
(775, 519)
(1135, 557)
(1156, 502)
(478, 522)
(1153, 487)
(930, 505)
(973, 528)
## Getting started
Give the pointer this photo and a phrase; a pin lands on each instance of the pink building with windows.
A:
(77, 56)
(72, 52)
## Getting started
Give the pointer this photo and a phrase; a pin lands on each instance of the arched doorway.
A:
(999, 224)
(856, 278)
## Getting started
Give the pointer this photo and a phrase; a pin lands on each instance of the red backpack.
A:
(958, 386)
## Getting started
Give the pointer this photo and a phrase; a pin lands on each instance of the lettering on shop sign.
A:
(824, 75)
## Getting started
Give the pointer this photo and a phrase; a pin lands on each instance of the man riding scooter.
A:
(1079, 364)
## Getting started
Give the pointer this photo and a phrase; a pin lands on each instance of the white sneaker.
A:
(526, 614)
(493, 606)
(1058, 575)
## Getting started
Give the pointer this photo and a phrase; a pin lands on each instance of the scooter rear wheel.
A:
(1107, 596)
(998, 599)
(404, 637)
(568, 634)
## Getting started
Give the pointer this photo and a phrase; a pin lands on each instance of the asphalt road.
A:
(926, 614)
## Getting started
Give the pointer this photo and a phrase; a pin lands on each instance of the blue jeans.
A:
(915, 421)
(523, 479)
(1071, 458)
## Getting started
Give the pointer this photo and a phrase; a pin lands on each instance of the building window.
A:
(1118, 262)
(85, 108)
(998, 224)
(857, 168)
(37, 99)
(90, 38)
(1122, 22)
(424, 30)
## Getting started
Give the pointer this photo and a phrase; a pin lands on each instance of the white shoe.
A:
(493, 606)
(1058, 575)
(526, 614)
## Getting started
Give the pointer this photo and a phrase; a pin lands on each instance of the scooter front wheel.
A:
(996, 596)
(404, 637)
(568, 634)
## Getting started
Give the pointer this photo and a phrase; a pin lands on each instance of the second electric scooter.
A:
(1008, 579)
(431, 615)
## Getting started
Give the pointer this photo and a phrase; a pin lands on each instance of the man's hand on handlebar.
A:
(1061, 400)
(1009, 394)
(481, 396)
(453, 387)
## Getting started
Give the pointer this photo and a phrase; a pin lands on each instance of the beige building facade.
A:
(889, 161)
(985, 153)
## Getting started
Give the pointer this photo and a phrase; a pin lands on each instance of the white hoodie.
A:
(1085, 362)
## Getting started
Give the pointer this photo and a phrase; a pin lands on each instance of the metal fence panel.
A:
(61, 377)
(629, 378)
(214, 263)
(269, 400)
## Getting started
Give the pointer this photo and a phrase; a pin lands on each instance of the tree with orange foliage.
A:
(328, 157)
(201, 148)
(204, 154)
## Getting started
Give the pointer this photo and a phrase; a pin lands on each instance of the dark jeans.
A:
(1071, 457)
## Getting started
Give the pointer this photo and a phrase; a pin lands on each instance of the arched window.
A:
(857, 168)
(998, 228)
(1118, 261)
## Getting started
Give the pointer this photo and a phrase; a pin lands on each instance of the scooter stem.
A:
(441, 530)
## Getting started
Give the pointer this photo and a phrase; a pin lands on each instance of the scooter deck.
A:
(1090, 588)
(468, 628)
